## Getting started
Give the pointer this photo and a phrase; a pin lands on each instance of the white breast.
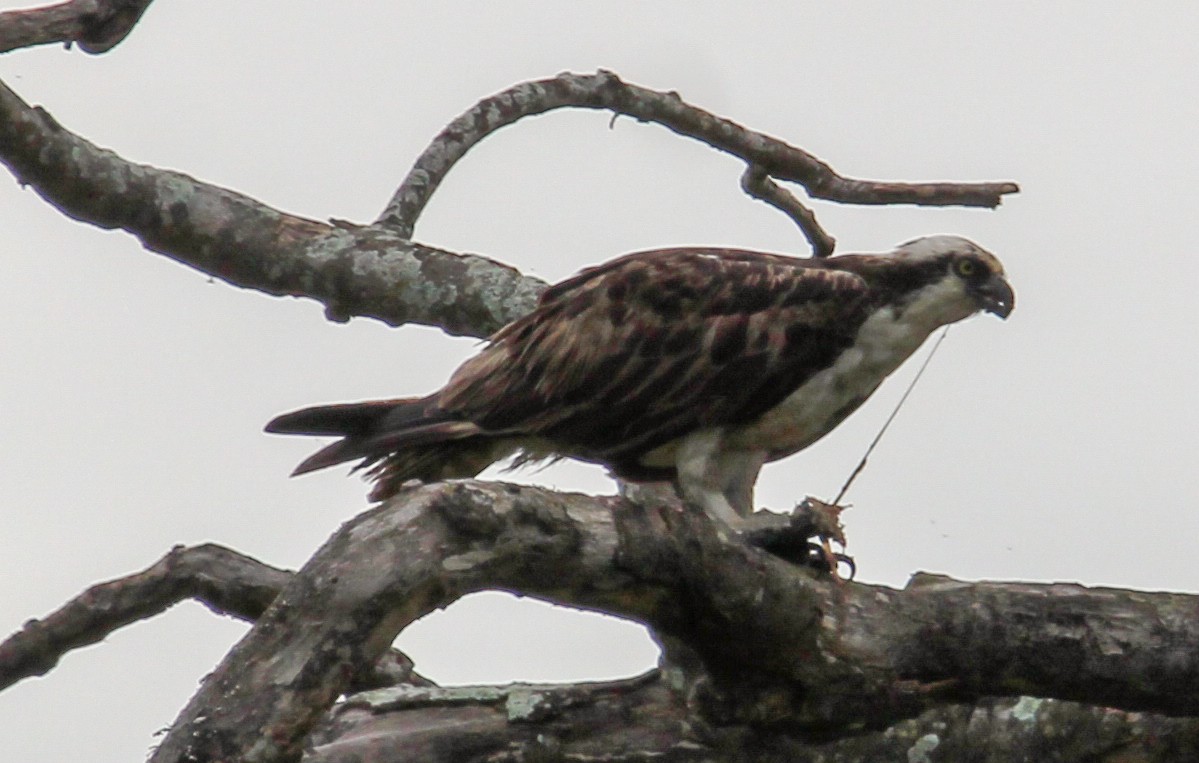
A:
(885, 340)
(822, 402)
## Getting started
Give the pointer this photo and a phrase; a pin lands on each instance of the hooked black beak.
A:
(995, 295)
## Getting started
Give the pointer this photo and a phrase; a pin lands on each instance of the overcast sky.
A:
(1059, 445)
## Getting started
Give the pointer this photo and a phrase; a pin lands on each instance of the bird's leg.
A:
(718, 480)
(721, 482)
(738, 472)
(698, 479)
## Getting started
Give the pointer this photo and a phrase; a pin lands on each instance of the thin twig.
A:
(756, 183)
(887, 423)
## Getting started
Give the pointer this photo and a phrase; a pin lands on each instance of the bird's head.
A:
(963, 278)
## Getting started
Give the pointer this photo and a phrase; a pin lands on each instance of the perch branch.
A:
(352, 270)
(829, 657)
(605, 90)
(96, 25)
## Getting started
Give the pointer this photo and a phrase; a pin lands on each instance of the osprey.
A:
(695, 365)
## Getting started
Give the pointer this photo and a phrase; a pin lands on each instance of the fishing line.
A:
(887, 423)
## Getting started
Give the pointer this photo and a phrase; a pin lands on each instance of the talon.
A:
(826, 518)
(830, 558)
(833, 560)
(849, 562)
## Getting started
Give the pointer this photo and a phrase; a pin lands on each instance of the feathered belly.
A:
(806, 415)
(823, 401)
(829, 396)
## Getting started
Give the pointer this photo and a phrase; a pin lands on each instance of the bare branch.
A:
(369, 272)
(756, 183)
(619, 722)
(377, 271)
(646, 714)
(96, 25)
(782, 647)
(639, 718)
(378, 573)
(224, 580)
(605, 90)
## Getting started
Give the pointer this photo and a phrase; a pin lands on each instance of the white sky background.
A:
(1057, 446)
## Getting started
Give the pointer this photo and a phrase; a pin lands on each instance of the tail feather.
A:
(402, 439)
(330, 455)
(343, 418)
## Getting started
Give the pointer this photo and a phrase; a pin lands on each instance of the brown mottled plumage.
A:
(697, 365)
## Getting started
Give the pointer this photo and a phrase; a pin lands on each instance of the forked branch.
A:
(764, 154)
(758, 184)
(377, 271)
(784, 649)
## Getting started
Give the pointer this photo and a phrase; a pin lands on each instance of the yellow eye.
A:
(966, 267)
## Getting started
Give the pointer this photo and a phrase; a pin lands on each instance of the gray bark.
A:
(644, 720)
(764, 659)
(758, 648)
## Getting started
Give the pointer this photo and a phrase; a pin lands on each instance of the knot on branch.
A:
(504, 526)
(110, 22)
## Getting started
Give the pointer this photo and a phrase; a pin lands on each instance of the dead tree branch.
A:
(96, 26)
(783, 650)
(645, 720)
(225, 581)
(607, 91)
(758, 184)
(640, 718)
(352, 270)
(377, 271)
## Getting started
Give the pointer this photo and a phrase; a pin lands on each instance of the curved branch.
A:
(758, 184)
(605, 90)
(642, 714)
(377, 271)
(96, 25)
(379, 572)
(781, 648)
(224, 580)
(369, 272)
